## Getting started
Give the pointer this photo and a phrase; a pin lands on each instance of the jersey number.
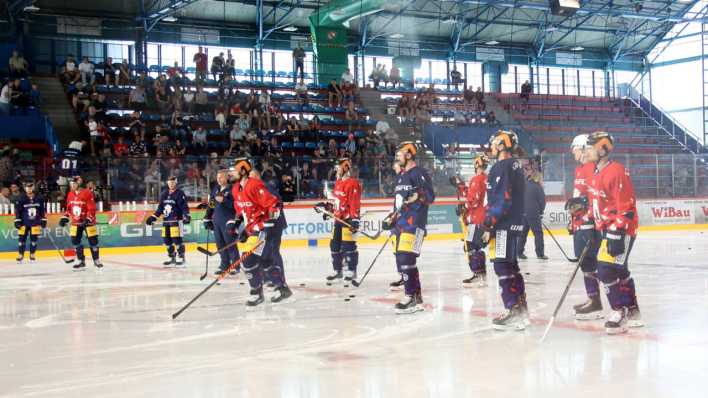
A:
(168, 210)
(31, 213)
(67, 164)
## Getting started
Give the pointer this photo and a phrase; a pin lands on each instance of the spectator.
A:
(217, 66)
(526, 91)
(17, 65)
(200, 61)
(479, 99)
(287, 188)
(301, 92)
(395, 76)
(6, 165)
(199, 139)
(347, 91)
(350, 145)
(100, 105)
(456, 77)
(95, 136)
(293, 127)
(264, 103)
(351, 112)
(230, 67)
(164, 146)
(188, 98)
(86, 70)
(109, 72)
(201, 101)
(5, 196)
(71, 73)
(492, 118)
(136, 98)
(534, 206)
(120, 148)
(334, 93)
(258, 148)
(468, 97)
(124, 73)
(236, 133)
(377, 75)
(179, 148)
(5, 98)
(173, 74)
(137, 147)
(347, 77)
(299, 58)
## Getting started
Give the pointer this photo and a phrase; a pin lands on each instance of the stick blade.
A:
(574, 260)
(355, 283)
(204, 251)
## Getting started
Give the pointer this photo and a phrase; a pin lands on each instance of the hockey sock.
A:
(94, 252)
(628, 297)
(592, 286)
(337, 261)
(477, 261)
(411, 279)
(352, 260)
(252, 269)
(80, 252)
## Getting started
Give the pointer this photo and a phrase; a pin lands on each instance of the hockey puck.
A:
(302, 284)
(352, 295)
(347, 299)
(346, 285)
(329, 283)
(243, 283)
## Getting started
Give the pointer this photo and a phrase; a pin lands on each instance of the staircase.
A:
(58, 109)
(371, 100)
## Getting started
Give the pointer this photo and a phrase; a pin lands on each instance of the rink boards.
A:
(125, 231)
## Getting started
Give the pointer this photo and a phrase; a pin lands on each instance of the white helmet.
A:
(580, 141)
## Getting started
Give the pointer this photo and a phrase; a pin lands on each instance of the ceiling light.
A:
(551, 28)
(577, 48)
(31, 8)
(290, 29)
(169, 19)
(492, 43)
(396, 36)
(450, 20)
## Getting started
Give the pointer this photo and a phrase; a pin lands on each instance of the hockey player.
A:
(173, 208)
(259, 219)
(473, 218)
(347, 202)
(503, 222)
(30, 220)
(219, 212)
(615, 213)
(582, 227)
(413, 195)
(81, 211)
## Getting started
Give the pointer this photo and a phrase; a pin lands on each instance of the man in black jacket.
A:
(219, 211)
(534, 206)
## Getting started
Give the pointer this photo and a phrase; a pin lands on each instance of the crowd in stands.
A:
(18, 93)
(171, 121)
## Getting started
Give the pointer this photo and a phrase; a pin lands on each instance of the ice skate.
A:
(589, 310)
(410, 304)
(617, 322)
(513, 318)
(478, 279)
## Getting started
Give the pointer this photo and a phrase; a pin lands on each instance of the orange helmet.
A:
(481, 161)
(241, 163)
(409, 146)
(602, 139)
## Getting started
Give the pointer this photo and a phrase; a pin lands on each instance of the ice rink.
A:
(110, 333)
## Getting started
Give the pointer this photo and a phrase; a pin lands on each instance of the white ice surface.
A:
(110, 334)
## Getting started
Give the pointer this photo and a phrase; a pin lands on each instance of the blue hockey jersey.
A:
(173, 207)
(505, 195)
(414, 214)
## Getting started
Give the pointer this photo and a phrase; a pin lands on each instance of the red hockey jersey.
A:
(583, 177)
(347, 198)
(613, 202)
(80, 207)
(255, 203)
(475, 199)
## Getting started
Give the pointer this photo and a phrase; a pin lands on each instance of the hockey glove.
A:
(577, 206)
(186, 219)
(243, 236)
(569, 227)
(615, 243)
(43, 223)
(460, 209)
(63, 221)
(354, 225)
(231, 226)
(18, 224)
(151, 219)
(489, 222)
(388, 223)
(208, 224)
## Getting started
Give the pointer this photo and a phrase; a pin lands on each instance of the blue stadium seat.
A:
(154, 69)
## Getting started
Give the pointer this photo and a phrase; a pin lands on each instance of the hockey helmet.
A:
(241, 163)
(602, 139)
(580, 141)
(408, 146)
(344, 162)
(481, 161)
(508, 138)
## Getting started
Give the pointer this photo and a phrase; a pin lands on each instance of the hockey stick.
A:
(357, 284)
(572, 260)
(567, 288)
(58, 250)
(219, 278)
(206, 271)
(210, 253)
(346, 224)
